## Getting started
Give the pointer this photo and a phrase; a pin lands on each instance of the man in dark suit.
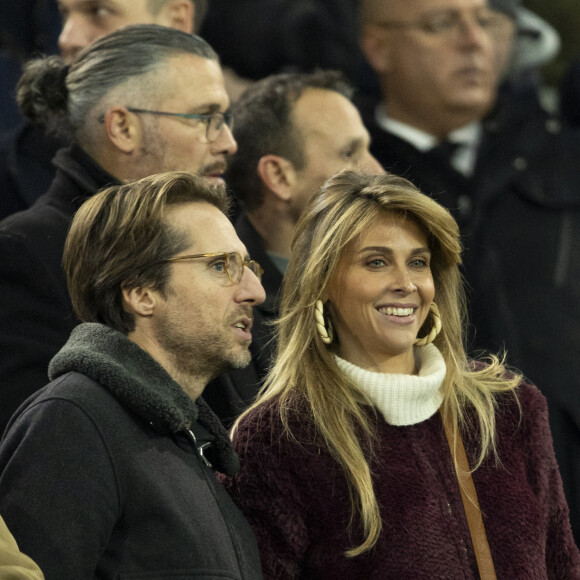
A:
(509, 173)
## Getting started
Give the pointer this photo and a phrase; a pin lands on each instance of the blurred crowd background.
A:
(30, 27)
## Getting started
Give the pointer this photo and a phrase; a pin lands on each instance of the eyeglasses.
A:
(214, 121)
(450, 24)
(229, 263)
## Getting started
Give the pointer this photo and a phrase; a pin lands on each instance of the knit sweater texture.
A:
(296, 498)
(403, 399)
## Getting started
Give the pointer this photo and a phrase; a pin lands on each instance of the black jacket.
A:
(26, 168)
(101, 473)
(36, 315)
(519, 217)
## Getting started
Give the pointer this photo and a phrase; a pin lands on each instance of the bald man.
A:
(509, 173)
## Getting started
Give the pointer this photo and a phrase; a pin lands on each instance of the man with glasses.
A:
(508, 171)
(144, 68)
(108, 471)
(26, 152)
(295, 130)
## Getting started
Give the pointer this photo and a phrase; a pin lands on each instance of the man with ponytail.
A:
(26, 153)
(143, 100)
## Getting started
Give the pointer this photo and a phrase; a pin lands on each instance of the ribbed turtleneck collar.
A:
(403, 399)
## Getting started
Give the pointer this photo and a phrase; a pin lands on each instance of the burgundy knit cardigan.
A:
(296, 499)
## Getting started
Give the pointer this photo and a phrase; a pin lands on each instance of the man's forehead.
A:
(198, 80)
(315, 105)
(208, 228)
(321, 111)
(408, 9)
(92, 5)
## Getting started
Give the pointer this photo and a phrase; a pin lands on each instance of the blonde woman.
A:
(376, 449)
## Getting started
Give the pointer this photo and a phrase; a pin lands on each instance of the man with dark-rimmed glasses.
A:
(114, 459)
(100, 103)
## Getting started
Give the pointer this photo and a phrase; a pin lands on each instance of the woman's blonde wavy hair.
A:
(305, 371)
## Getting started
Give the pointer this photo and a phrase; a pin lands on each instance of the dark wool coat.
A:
(36, 315)
(519, 217)
(296, 499)
(101, 478)
(26, 169)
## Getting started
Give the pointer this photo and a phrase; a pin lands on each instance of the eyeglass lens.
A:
(216, 123)
(235, 265)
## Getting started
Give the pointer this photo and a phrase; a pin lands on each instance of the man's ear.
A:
(139, 301)
(278, 175)
(376, 45)
(123, 129)
(178, 14)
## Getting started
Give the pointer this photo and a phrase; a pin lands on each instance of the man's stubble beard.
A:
(201, 357)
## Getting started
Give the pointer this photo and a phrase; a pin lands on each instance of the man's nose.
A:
(250, 289)
(370, 165)
(73, 37)
(225, 143)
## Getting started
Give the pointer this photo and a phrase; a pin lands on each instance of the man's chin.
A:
(241, 361)
(235, 362)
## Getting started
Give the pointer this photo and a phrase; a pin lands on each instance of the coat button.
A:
(520, 164)
(553, 126)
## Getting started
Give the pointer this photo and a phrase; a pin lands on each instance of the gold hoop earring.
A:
(435, 329)
(325, 334)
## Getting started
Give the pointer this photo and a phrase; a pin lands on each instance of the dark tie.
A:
(444, 150)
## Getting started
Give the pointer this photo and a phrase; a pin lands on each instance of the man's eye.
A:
(101, 12)
(490, 20)
(440, 24)
(219, 266)
(98, 11)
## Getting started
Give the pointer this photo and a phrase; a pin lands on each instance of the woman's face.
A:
(381, 294)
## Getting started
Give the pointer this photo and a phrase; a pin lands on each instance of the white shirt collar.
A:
(419, 139)
(469, 137)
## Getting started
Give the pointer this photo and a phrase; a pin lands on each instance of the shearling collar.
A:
(140, 383)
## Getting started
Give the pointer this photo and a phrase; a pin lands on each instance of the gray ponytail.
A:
(50, 95)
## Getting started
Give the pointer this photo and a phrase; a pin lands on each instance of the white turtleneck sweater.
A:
(403, 399)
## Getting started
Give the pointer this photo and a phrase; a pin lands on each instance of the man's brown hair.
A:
(119, 239)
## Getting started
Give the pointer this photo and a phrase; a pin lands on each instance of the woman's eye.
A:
(376, 263)
(419, 263)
